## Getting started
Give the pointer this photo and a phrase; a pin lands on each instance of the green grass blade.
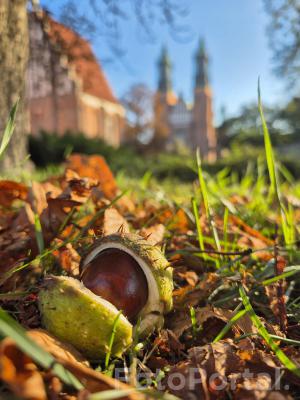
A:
(274, 188)
(9, 129)
(290, 219)
(229, 325)
(202, 184)
(286, 173)
(290, 272)
(225, 228)
(268, 147)
(204, 193)
(9, 327)
(275, 337)
(283, 358)
(112, 394)
(286, 340)
(146, 179)
(195, 327)
(38, 233)
(112, 339)
(198, 225)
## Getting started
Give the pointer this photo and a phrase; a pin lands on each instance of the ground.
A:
(233, 244)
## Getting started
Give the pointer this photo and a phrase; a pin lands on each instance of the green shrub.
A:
(51, 149)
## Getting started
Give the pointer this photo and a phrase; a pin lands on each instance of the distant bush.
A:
(50, 148)
(253, 139)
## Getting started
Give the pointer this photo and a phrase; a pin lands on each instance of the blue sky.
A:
(235, 34)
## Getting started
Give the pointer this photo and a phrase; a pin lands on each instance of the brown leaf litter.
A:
(191, 365)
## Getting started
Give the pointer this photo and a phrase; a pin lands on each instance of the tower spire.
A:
(203, 134)
(164, 71)
(202, 78)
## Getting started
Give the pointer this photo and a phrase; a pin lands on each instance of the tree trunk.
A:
(14, 48)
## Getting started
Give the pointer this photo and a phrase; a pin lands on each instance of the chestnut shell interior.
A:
(118, 278)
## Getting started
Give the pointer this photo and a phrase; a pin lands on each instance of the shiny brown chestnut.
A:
(117, 277)
(131, 274)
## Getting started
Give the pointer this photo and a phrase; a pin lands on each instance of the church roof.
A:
(80, 55)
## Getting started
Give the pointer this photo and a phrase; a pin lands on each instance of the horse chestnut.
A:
(117, 277)
(120, 272)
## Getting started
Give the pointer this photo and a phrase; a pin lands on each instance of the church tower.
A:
(164, 98)
(164, 72)
(203, 134)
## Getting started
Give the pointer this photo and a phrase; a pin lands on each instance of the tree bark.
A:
(14, 49)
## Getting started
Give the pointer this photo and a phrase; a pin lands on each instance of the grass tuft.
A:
(198, 225)
(286, 225)
(204, 194)
(112, 339)
(282, 357)
(9, 129)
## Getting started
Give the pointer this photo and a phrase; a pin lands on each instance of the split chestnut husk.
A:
(77, 316)
(155, 276)
(120, 272)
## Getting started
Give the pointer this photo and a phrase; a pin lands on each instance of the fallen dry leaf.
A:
(94, 167)
(78, 189)
(192, 295)
(189, 276)
(252, 234)
(10, 191)
(62, 352)
(154, 234)
(68, 258)
(19, 372)
(217, 369)
(37, 198)
(25, 380)
(95, 381)
(113, 222)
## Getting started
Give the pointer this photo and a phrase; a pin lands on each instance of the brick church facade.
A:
(66, 87)
(175, 120)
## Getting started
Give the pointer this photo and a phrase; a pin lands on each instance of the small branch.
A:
(246, 252)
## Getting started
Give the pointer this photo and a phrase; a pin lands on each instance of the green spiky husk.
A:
(75, 315)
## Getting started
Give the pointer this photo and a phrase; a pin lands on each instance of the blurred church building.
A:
(66, 86)
(175, 120)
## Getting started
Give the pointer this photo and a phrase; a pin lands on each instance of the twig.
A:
(246, 252)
